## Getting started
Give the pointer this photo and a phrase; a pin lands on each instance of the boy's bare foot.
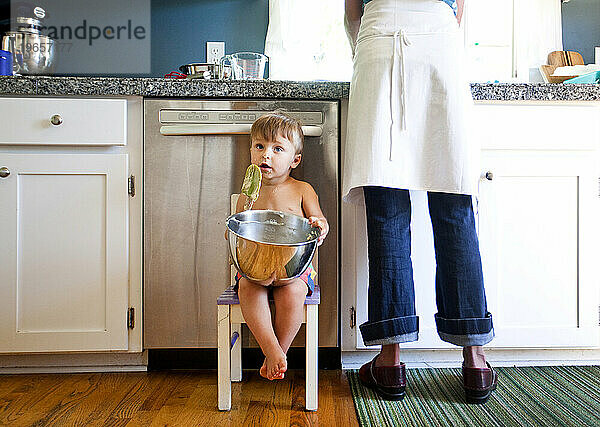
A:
(275, 365)
(263, 371)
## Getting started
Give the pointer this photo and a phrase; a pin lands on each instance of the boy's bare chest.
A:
(283, 201)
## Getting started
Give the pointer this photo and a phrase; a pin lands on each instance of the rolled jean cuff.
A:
(467, 340)
(466, 332)
(390, 331)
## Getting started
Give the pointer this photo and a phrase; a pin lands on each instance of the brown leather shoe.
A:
(479, 383)
(387, 381)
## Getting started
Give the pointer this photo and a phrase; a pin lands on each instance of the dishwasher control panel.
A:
(227, 117)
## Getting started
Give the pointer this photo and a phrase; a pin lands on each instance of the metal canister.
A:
(32, 52)
(206, 71)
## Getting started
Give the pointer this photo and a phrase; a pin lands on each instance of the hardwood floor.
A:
(170, 398)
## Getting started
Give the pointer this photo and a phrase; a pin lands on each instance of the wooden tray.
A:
(547, 71)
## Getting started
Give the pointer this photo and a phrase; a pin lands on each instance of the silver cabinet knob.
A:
(4, 172)
(489, 175)
(56, 120)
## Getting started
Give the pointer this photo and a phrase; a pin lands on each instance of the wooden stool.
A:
(229, 331)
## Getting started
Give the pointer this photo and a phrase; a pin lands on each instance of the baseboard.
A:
(151, 360)
(24, 363)
(252, 358)
(504, 357)
(73, 369)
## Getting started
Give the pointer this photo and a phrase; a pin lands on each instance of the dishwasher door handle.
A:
(224, 129)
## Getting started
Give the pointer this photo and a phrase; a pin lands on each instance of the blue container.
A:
(6, 65)
(593, 77)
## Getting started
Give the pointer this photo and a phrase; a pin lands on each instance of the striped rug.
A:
(532, 396)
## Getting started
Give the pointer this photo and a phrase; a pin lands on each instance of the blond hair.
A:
(269, 126)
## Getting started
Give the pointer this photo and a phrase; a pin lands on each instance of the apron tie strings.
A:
(401, 40)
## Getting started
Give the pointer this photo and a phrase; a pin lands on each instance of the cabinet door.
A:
(537, 229)
(64, 252)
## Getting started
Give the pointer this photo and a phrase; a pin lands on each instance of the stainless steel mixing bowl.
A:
(267, 244)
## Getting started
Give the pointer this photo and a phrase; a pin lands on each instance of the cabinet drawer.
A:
(76, 121)
(541, 126)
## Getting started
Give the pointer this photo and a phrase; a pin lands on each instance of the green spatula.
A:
(251, 185)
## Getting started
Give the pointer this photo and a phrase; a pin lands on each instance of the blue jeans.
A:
(462, 318)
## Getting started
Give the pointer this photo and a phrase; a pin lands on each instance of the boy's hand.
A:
(322, 224)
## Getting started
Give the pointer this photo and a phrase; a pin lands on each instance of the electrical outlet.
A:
(214, 51)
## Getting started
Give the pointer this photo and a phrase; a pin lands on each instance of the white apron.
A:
(409, 103)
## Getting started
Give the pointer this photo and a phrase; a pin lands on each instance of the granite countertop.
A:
(161, 87)
(274, 89)
(535, 92)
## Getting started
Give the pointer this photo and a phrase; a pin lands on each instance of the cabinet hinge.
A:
(131, 185)
(131, 317)
(352, 317)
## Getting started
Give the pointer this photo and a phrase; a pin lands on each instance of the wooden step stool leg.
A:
(224, 357)
(236, 353)
(312, 362)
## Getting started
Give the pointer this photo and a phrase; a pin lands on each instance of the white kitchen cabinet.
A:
(536, 212)
(64, 252)
(71, 237)
(538, 235)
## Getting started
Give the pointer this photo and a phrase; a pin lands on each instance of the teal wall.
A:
(180, 29)
(581, 27)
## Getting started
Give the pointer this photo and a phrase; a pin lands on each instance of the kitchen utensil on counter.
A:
(246, 65)
(266, 244)
(251, 185)
(206, 71)
(175, 75)
(32, 52)
(565, 57)
(6, 66)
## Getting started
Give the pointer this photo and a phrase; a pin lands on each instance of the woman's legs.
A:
(474, 356)
(389, 355)
(462, 318)
(392, 318)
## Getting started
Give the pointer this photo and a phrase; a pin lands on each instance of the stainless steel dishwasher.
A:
(195, 156)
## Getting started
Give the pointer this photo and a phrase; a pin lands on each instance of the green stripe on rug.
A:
(531, 396)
